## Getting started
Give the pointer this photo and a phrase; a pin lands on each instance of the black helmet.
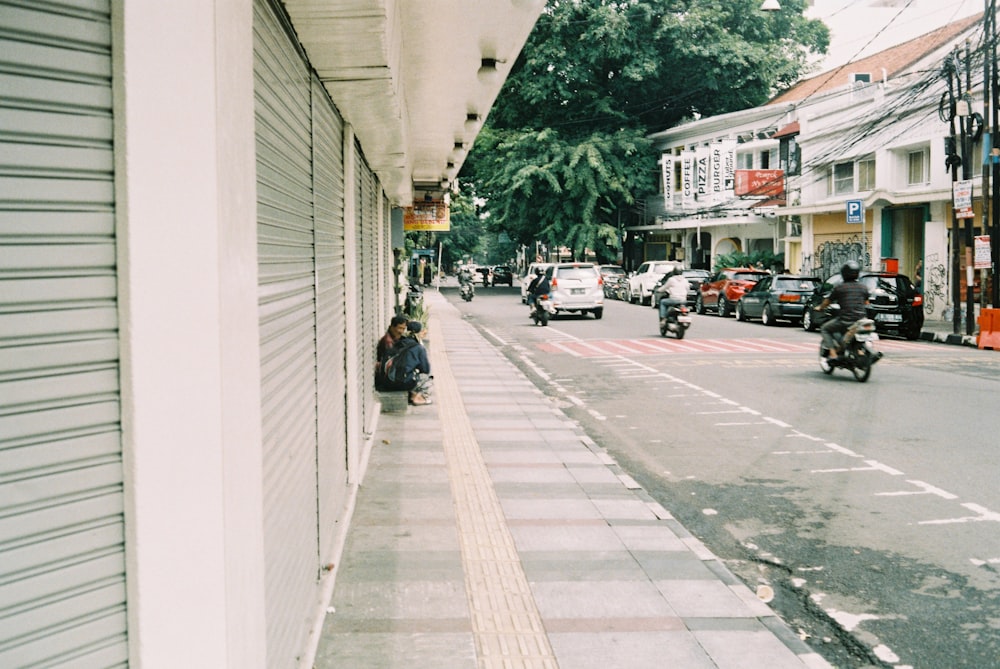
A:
(539, 271)
(851, 270)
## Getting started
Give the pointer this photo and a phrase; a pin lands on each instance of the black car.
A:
(894, 304)
(503, 274)
(695, 278)
(782, 297)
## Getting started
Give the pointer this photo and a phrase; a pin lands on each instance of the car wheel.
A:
(807, 320)
(912, 333)
(740, 314)
(765, 316)
(598, 314)
(629, 295)
(699, 306)
(724, 308)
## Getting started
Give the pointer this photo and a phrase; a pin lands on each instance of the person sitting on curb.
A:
(408, 367)
(397, 328)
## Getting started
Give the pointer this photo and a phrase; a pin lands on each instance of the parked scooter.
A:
(467, 291)
(856, 351)
(677, 322)
(542, 310)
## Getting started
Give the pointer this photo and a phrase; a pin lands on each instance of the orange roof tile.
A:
(894, 60)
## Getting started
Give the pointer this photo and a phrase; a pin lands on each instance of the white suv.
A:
(641, 283)
(576, 287)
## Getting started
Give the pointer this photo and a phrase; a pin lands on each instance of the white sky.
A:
(854, 22)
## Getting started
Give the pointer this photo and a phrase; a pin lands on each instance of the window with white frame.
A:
(842, 178)
(866, 173)
(744, 161)
(917, 167)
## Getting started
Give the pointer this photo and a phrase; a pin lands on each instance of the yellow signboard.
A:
(427, 215)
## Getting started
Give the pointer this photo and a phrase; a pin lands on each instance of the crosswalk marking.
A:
(591, 348)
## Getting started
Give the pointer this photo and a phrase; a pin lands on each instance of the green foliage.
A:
(565, 158)
(766, 259)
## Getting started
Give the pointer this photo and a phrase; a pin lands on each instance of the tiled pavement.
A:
(491, 532)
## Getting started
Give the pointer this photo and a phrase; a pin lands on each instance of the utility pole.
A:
(990, 35)
(950, 71)
(970, 293)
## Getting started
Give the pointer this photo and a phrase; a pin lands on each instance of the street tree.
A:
(564, 157)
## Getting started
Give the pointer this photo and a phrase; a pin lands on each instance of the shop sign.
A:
(427, 215)
(984, 259)
(767, 183)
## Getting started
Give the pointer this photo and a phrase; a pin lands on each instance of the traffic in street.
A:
(870, 509)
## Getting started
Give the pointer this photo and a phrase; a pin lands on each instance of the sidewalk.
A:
(491, 532)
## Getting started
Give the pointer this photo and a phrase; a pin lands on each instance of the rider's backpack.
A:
(401, 366)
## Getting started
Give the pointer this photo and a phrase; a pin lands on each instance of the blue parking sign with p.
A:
(855, 211)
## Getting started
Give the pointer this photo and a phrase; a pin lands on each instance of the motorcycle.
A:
(677, 322)
(542, 310)
(856, 351)
(467, 291)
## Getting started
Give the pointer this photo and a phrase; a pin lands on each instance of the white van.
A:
(576, 287)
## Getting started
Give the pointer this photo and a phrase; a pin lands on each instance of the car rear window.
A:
(577, 273)
(749, 276)
(796, 284)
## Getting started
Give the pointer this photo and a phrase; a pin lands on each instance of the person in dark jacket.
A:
(852, 298)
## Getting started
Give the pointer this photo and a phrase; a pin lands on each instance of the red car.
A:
(723, 290)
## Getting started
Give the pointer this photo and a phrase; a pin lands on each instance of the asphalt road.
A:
(871, 509)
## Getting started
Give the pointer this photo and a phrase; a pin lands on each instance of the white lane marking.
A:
(925, 489)
(500, 340)
(535, 368)
(841, 449)
(982, 563)
(775, 421)
(982, 514)
(873, 466)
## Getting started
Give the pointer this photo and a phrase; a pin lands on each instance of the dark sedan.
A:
(503, 274)
(777, 298)
(895, 305)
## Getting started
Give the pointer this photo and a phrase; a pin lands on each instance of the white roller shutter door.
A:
(62, 566)
(287, 301)
(331, 323)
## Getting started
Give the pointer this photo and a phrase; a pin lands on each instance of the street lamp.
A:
(770, 6)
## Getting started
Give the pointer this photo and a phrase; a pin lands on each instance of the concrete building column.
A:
(187, 272)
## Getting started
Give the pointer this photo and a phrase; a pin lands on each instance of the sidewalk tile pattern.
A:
(490, 532)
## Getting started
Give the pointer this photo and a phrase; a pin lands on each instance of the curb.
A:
(948, 338)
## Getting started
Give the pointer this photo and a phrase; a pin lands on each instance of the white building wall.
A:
(190, 359)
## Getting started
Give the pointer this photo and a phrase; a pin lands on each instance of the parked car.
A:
(695, 278)
(895, 305)
(528, 276)
(724, 289)
(641, 282)
(503, 274)
(777, 298)
(576, 287)
(614, 276)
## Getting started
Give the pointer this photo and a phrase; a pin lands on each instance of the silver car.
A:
(576, 287)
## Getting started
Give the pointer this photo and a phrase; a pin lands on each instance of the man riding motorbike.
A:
(538, 286)
(852, 297)
(676, 288)
(465, 279)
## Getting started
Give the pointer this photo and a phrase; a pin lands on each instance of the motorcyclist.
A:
(465, 277)
(538, 286)
(852, 297)
(676, 290)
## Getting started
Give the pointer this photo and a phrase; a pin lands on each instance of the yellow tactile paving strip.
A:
(505, 619)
